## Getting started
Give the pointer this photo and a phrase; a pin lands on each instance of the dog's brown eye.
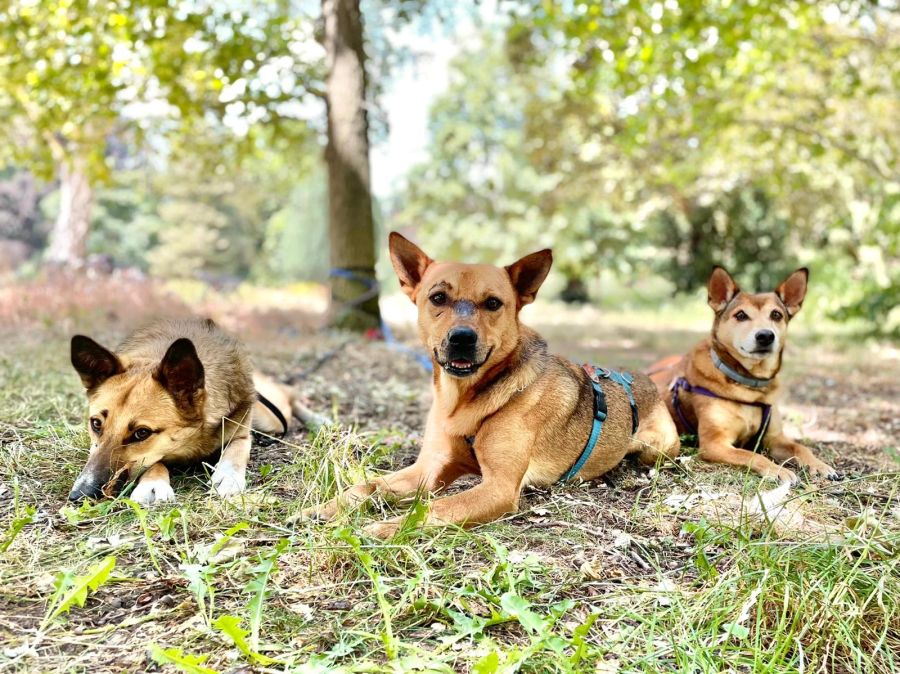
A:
(776, 315)
(141, 434)
(492, 304)
(439, 299)
(741, 316)
(96, 424)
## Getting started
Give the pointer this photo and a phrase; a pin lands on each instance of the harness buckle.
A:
(600, 408)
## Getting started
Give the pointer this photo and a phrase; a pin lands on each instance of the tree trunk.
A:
(350, 221)
(575, 292)
(68, 239)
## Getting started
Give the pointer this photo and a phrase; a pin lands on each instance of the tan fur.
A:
(529, 412)
(191, 386)
(723, 426)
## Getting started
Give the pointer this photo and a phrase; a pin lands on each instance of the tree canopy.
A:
(629, 133)
(73, 72)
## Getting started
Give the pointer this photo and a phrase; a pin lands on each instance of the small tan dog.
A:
(725, 390)
(503, 406)
(175, 392)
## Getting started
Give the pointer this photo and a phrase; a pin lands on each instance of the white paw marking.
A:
(150, 492)
(228, 480)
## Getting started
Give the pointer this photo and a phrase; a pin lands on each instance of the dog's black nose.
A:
(84, 489)
(765, 337)
(80, 494)
(462, 337)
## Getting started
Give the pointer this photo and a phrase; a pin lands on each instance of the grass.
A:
(612, 576)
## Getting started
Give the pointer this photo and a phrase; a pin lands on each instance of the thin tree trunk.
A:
(68, 239)
(351, 224)
(575, 292)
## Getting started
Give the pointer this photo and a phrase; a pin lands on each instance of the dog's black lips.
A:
(462, 371)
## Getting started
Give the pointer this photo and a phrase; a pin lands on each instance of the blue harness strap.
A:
(595, 374)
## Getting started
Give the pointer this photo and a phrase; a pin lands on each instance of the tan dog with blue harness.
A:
(503, 406)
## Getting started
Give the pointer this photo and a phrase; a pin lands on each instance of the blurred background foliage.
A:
(662, 138)
(642, 141)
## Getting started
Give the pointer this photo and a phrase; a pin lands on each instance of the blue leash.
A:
(372, 288)
(624, 380)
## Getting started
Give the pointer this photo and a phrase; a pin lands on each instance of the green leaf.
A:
(73, 590)
(230, 626)
(258, 589)
(579, 638)
(489, 664)
(519, 608)
(183, 662)
(16, 527)
(736, 630)
(141, 515)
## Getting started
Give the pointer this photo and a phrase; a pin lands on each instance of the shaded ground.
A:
(629, 573)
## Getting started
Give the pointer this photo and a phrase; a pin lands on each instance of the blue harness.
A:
(595, 374)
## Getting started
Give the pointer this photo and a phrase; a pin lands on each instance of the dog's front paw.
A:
(383, 530)
(822, 469)
(151, 492)
(782, 474)
(228, 480)
(321, 513)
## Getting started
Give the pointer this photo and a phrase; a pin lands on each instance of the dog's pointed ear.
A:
(410, 263)
(93, 363)
(181, 373)
(792, 290)
(529, 273)
(721, 289)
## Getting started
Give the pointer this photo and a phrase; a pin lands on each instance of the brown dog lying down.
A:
(503, 406)
(174, 393)
(726, 388)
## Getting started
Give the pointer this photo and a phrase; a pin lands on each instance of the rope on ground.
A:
(372, 290)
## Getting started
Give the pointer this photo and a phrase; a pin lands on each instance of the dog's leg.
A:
(657, 437)
(153, 486)
(441, 461)
(784, 449)
(230, 476)
(503, 453)
(717, 447)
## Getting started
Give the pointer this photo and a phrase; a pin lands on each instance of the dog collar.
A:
(734, 375)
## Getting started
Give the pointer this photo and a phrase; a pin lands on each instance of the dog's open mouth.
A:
(462, 367)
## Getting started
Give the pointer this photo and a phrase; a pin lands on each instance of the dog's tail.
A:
(664, 365)
(309, 418)
(288, 401)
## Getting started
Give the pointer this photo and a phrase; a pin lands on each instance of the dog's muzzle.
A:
(91, 484)
(461, 352)
(763, 341)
